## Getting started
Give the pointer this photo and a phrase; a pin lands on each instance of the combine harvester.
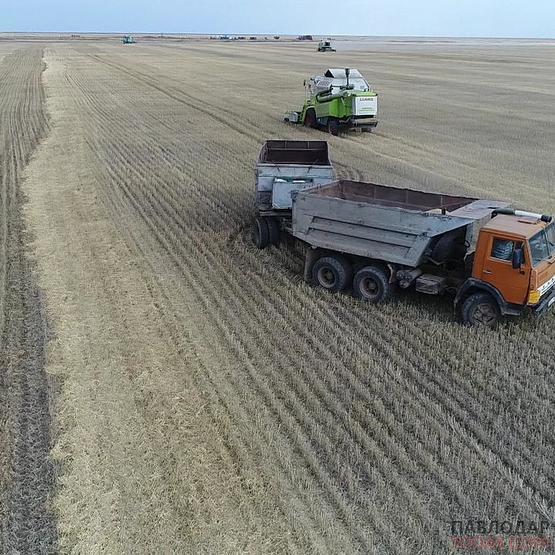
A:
(325, 45)
(338, 101)
(128, 39)
(373, 239)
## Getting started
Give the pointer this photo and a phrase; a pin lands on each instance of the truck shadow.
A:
(285, 264)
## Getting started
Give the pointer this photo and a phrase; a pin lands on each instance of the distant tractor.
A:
(325, 45)
(128, 39)
(337, 101)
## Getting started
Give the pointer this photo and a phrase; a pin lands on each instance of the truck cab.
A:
(513, 268)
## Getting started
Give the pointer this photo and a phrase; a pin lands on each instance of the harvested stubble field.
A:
(201, 397)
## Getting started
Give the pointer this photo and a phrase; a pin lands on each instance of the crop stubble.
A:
(211, 400)
(26, 476)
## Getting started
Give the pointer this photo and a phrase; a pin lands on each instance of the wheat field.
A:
(196, 395)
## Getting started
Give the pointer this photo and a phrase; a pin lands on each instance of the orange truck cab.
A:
(513, 269)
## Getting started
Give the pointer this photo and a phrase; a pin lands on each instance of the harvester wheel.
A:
(273, 231)
(333, 273)
(371, 284)
(261, 233)
(481, 309)
(310, 118)
(333, 127)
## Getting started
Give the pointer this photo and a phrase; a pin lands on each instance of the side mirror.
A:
(518, 257)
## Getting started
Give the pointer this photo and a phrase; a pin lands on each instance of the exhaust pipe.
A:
(522, 213)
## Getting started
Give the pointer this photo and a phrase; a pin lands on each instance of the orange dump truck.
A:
(373, 239)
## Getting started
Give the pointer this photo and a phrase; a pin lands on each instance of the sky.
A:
(463, 18)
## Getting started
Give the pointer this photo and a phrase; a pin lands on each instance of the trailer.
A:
(375, 239)
(284, 167)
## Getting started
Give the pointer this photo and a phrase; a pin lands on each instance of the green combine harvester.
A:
(340, 100)
(128, 39)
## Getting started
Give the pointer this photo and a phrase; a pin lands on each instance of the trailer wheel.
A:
(260, 233)
(371, 284)
(310, 118)
(273, 231)
(333, 273)
(481, 309)
(333, 127)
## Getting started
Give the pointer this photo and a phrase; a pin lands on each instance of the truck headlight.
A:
(534, 297)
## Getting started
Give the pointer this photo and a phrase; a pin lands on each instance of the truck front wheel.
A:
(332, 273)
(371, 284)
(481, 309)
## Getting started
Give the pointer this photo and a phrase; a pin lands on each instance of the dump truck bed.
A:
(380, 222)
(287, 166)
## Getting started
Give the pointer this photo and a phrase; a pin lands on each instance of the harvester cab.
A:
(339, 100)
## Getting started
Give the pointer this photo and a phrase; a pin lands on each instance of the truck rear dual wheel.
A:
(371, 284)
(481, 309)
(265, 232)
(333, 273)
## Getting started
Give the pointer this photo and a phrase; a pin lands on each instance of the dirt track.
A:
(212, 402)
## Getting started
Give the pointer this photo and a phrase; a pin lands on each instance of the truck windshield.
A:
(542, 245)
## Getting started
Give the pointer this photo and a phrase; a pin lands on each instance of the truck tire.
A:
(333, 273)
(260, 233)
(480, 309)
(310, 118)
(371, 284)
(273, 231)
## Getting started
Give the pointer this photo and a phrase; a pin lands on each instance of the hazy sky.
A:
(500, 18)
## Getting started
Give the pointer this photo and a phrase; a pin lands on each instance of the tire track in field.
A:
(26, 477)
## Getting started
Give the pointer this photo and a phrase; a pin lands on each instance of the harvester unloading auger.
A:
(337, 101)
